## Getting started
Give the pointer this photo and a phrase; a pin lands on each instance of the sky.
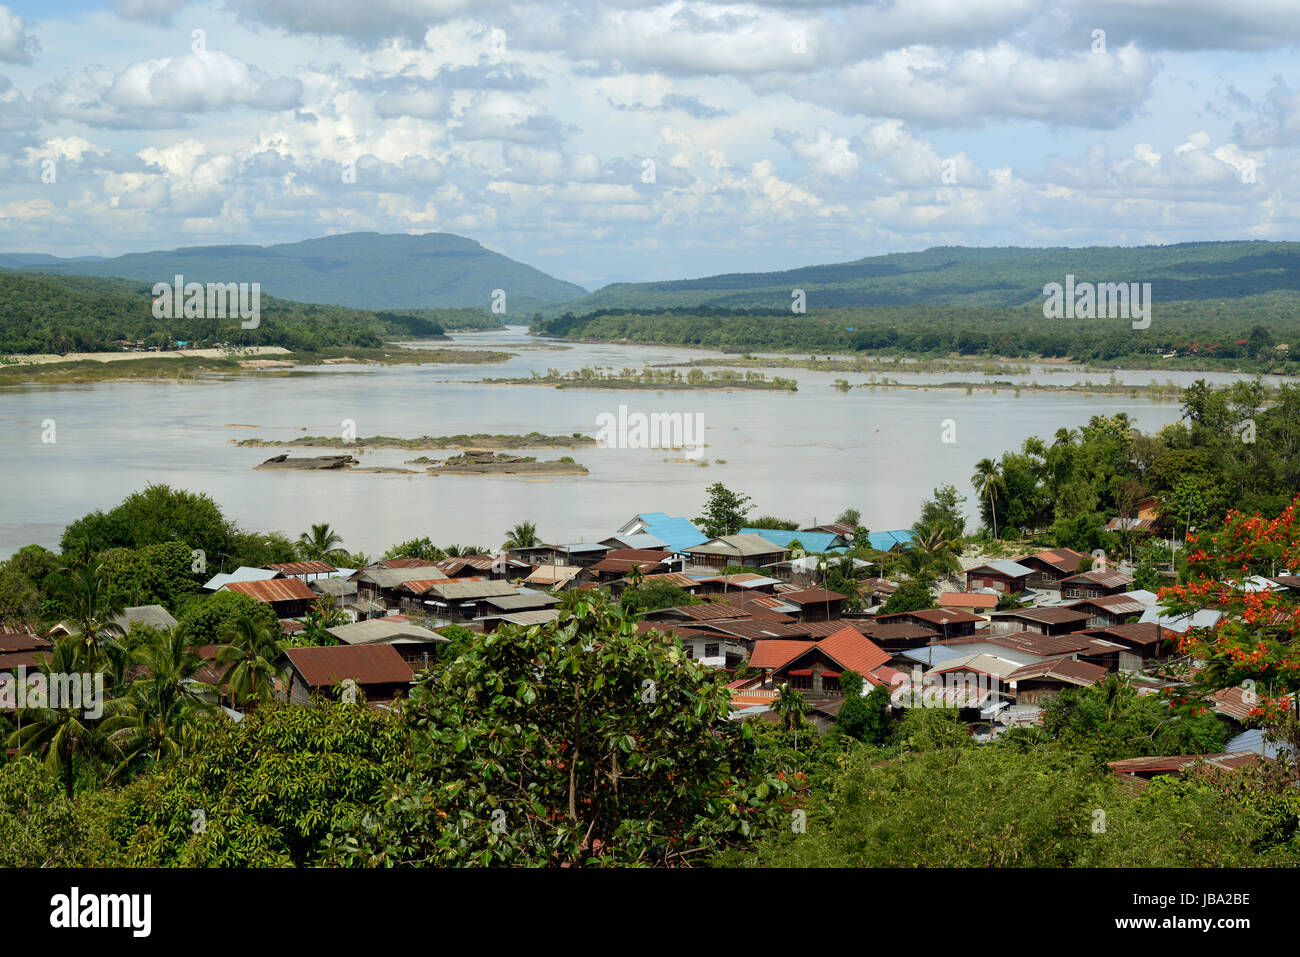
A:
(621, 140)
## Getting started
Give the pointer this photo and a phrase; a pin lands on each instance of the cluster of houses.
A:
(771, 625)
(396, 607)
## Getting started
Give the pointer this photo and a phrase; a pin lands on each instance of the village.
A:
(996, 641)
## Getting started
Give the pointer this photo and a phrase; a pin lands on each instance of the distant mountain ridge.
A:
(973, 276)
(358, 270)
(442, 270)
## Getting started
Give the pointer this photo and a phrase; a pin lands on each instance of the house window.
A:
(711, 650)
(690, 650)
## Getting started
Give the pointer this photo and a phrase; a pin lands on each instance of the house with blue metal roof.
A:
(642, 540)
(815, 543)
(888, 541)
(678, 534)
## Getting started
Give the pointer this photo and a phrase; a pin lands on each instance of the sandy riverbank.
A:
(48, 358)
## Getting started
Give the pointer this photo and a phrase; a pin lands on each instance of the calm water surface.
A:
(804, 455)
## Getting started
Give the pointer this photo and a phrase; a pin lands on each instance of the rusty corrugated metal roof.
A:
(967, 600)
(812, 596)
(274, 589)
(1105, 578)
(1064, 669)
(302, 568)
(364, 664)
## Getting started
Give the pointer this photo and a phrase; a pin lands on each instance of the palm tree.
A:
(988, 483)
(83, 595)
(250, 654)
(61, 733)
(320, 544)
(790, 705)
(156, 715)
(932, 553)
(464, 551)
(523, 535)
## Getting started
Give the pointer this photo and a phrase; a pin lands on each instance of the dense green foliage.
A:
(1236, 446)
(909, 596)
(724, 512)
(650, 596)
(997, 806)
(580, 742)
(160, 573)
(1234, 333)
(270, 788)
(1111, 721)
(156, 514)
(59, 314)
(206, 619)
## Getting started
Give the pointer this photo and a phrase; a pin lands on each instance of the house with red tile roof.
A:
(815, 667)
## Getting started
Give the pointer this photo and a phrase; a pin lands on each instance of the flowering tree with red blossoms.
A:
(1255, 641)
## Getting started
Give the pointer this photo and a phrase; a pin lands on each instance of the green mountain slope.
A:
(957, 275)
(359, 270)
(41, 313)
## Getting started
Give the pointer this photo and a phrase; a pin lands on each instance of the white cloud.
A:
(929, 85)
(211, 80)
(16, 45)
(365, 22)
(765, 157)
(825, 155)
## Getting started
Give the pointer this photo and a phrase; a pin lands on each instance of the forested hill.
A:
(40, 313)
(965, 276)
(360, 270)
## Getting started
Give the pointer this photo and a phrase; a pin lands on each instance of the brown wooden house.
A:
(1050, 566)
(1004, 577)
(288, 597)
(1096, 583)
(1050, 620)
(948, 622)
(378, 671)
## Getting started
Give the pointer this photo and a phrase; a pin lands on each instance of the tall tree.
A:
(725, 512)
(931, 553)
(84, 595)
(944, 507)
(250, 657)
(153, 719)
(791, 707)
(61, 728)
(609, 747)
(321, 543)
(988, 484)
(1253, 646)
(523, 535)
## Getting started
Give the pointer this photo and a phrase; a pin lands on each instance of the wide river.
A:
(803, 455)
